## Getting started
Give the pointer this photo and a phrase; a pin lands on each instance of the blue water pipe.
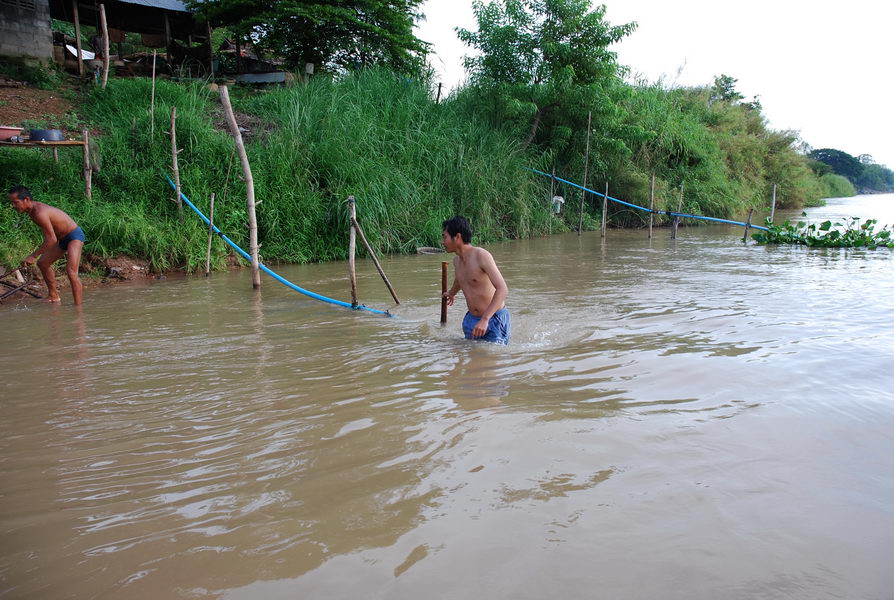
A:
(649, 210)
(269, 271)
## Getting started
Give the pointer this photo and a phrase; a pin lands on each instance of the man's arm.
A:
(501, 291)
(42, 220)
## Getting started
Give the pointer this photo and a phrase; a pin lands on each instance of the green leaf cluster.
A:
(851, 234)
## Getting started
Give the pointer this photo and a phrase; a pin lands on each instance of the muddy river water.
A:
(674, 419)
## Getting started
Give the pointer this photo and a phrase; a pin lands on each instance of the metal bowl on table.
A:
(47, 135)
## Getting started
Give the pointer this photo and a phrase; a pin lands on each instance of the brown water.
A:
(689, 419)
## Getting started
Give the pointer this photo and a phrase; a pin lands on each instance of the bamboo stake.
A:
(56, 154)
(580, 224)
(352, 248)
(88, 170)
(152, 101)
(747, 225)
(174, 153)
(605, 208)
(773, 206)
(651, 205)
(677, 219)
(443, 291)
(249, 188)
(375, 259)
(210, 233)
(77, 23)
(105, 45)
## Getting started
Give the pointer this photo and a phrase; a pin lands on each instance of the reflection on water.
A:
(690, 418)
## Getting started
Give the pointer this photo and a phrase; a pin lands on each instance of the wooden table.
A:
(83, 143)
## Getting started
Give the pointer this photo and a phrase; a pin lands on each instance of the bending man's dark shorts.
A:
(77, 234)
(498, 329)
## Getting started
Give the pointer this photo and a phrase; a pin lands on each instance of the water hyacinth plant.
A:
(851, 234)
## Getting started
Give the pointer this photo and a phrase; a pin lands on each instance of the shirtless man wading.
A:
(482, 284)
(61, 236)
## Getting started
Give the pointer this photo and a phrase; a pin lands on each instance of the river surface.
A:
(689, 419)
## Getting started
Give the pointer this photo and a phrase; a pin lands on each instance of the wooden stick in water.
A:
(605, 208)
(444, 291)
(210, 233)
(372, 254)
(773, 206)
(747, 225)
(352, 248)
(651, 205)
(677, 219)
(249, 188)
(580, 224)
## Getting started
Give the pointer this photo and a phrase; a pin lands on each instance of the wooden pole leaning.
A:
(651, 205)
(249, 188)
(77, 24)
(174, 164)
(352, 249)
(152, 101)
(88, 170)
(356, 225)
(677, 219)
(105, 45)
(444, 291)
(580, 223)
(210, 233)
(773, 205)
(605, 208)
(747, 225)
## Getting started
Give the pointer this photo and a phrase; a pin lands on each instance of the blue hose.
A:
(649, 210)
(270, 272)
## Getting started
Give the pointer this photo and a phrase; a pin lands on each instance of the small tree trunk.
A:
(174, 164)
(105, 45)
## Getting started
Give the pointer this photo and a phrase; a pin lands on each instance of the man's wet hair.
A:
(458, 225)
(21, 192)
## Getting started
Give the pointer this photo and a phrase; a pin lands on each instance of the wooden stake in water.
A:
(773, 205)
(210, 233)
(651, 205)
(375, 259)
(152, 100)
(105, 45)
(605, 209)
(679, 210)
(352, 249)
(174, 165)
(249, 188)
(580, 224)
(444, 291)
(747, 225)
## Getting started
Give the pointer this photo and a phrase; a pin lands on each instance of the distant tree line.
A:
(862, 171)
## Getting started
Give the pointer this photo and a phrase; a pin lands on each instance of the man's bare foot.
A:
(53, 300)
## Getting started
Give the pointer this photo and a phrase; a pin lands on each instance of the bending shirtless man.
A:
(482, 284)
(61, 236)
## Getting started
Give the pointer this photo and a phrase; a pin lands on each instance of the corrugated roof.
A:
(164, 4)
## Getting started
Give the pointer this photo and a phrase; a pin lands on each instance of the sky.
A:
(823, 69)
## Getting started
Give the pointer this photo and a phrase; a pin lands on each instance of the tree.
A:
(724, 89)
(842, 162)
(544, 64)
(333, 34)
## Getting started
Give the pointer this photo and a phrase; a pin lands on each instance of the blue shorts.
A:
(77, 234)
(498, 329)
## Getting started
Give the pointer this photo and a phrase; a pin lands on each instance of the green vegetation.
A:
(862, 171)
(853, 235)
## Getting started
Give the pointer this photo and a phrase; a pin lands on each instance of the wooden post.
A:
(747, 225)
(105, 45)
(55, 154)
(372, 254)
(580, 224)
(152, 101)
(210, 233)
(77, 23)
(210, 50)
(352, 248)
(167, 38)
(651, 205)
(677, 219)
(605, 209)
(438, 100)
(443, 291)
(88, 170)
(773, 205)
(174, 153)
(249, 187)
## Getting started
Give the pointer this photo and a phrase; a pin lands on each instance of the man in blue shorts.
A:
(61, 237)
(482, 284)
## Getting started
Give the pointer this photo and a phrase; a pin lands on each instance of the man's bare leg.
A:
(74, 262)
(45, 263)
